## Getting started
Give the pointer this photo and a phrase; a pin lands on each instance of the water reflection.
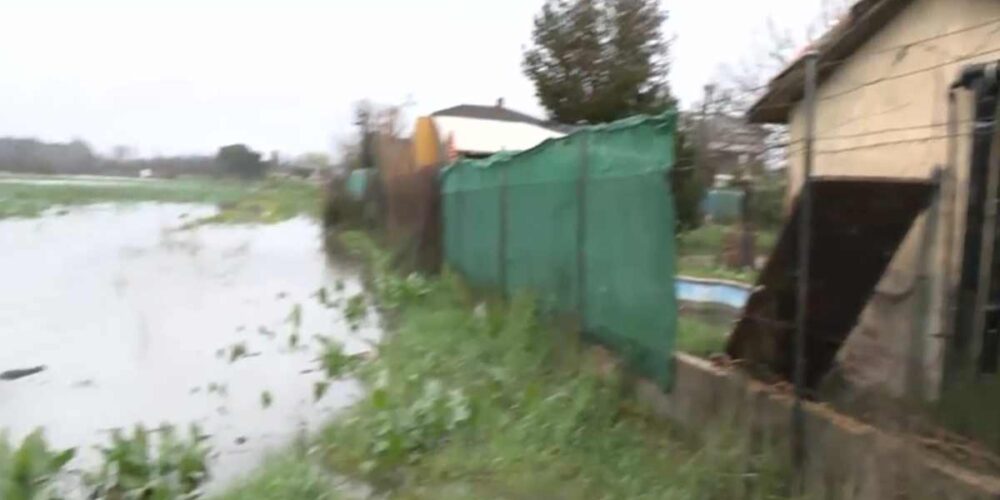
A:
(128, 314)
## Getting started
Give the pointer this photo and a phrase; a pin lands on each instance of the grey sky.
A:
(181, 76)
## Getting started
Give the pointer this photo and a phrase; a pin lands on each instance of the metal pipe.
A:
(988, 242)
(805, 237)
(948, 306)
(949, 188)
(960, 293)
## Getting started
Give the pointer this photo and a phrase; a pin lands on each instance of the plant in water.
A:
(237, 351)
(355, 310)
(332, 359)
(218, 388)
(134, 468)
(322, 297)
(266, 399)
(319, 390)
(295, 316)
(28, 471)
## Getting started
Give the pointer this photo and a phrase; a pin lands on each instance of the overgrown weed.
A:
(467, 400)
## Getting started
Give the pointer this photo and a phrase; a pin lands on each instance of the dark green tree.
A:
(689, 187)
(240, 161)
(599, 60)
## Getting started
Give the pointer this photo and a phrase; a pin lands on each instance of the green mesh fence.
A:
(586, 223)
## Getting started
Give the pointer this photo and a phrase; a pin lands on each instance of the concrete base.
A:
(847, 459)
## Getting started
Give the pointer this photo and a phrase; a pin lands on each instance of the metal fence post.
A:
(581, 228)
(805, 236)
(504, 223)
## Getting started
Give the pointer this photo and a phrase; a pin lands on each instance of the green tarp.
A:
(357, 182)
(585, 223)
(723, 205)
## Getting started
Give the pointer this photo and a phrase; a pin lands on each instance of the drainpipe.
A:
(946, 204)
(967, 300)
(984, 312)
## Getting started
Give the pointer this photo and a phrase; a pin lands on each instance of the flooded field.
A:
(134, 320)
(72, 180)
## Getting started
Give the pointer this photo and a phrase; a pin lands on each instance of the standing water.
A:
(134, 318)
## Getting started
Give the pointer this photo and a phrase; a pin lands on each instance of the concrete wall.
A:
(875, 356)
(847, 459)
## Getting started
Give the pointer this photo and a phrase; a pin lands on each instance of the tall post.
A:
(504, 229)
(805, 237)
(581, 228)
(947, 300)
(701, 151)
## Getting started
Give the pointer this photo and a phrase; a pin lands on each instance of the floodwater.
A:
(73, 180)
(129, 313)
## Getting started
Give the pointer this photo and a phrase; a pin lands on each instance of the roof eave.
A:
(867, 17)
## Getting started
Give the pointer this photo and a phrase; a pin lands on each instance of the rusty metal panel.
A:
(858, 223)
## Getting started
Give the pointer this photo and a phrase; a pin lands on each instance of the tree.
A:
(599, 60)
(241, 161)
(689, 188)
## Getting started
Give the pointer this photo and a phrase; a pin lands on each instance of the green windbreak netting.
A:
(586, 223)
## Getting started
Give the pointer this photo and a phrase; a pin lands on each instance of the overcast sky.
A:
(186, 76)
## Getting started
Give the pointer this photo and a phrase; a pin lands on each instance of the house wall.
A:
(854, 138)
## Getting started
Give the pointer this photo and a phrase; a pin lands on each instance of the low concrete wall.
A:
(847, 459)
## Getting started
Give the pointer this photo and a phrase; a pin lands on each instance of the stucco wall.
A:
(845, 458)
(861, 108)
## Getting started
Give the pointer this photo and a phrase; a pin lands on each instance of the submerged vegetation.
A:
(156, 465)
(473, 399)
(28, 471)
(266, 201)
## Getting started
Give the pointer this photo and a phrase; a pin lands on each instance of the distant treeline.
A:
(76, 157)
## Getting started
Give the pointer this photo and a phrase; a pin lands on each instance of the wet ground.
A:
(128, 314)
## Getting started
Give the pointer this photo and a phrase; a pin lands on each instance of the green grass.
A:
(292, 475)
(699, 266)
(709, 239)
(701, 337)
(470, 399)
(699, 253)
(969, 406)
(239, 202)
